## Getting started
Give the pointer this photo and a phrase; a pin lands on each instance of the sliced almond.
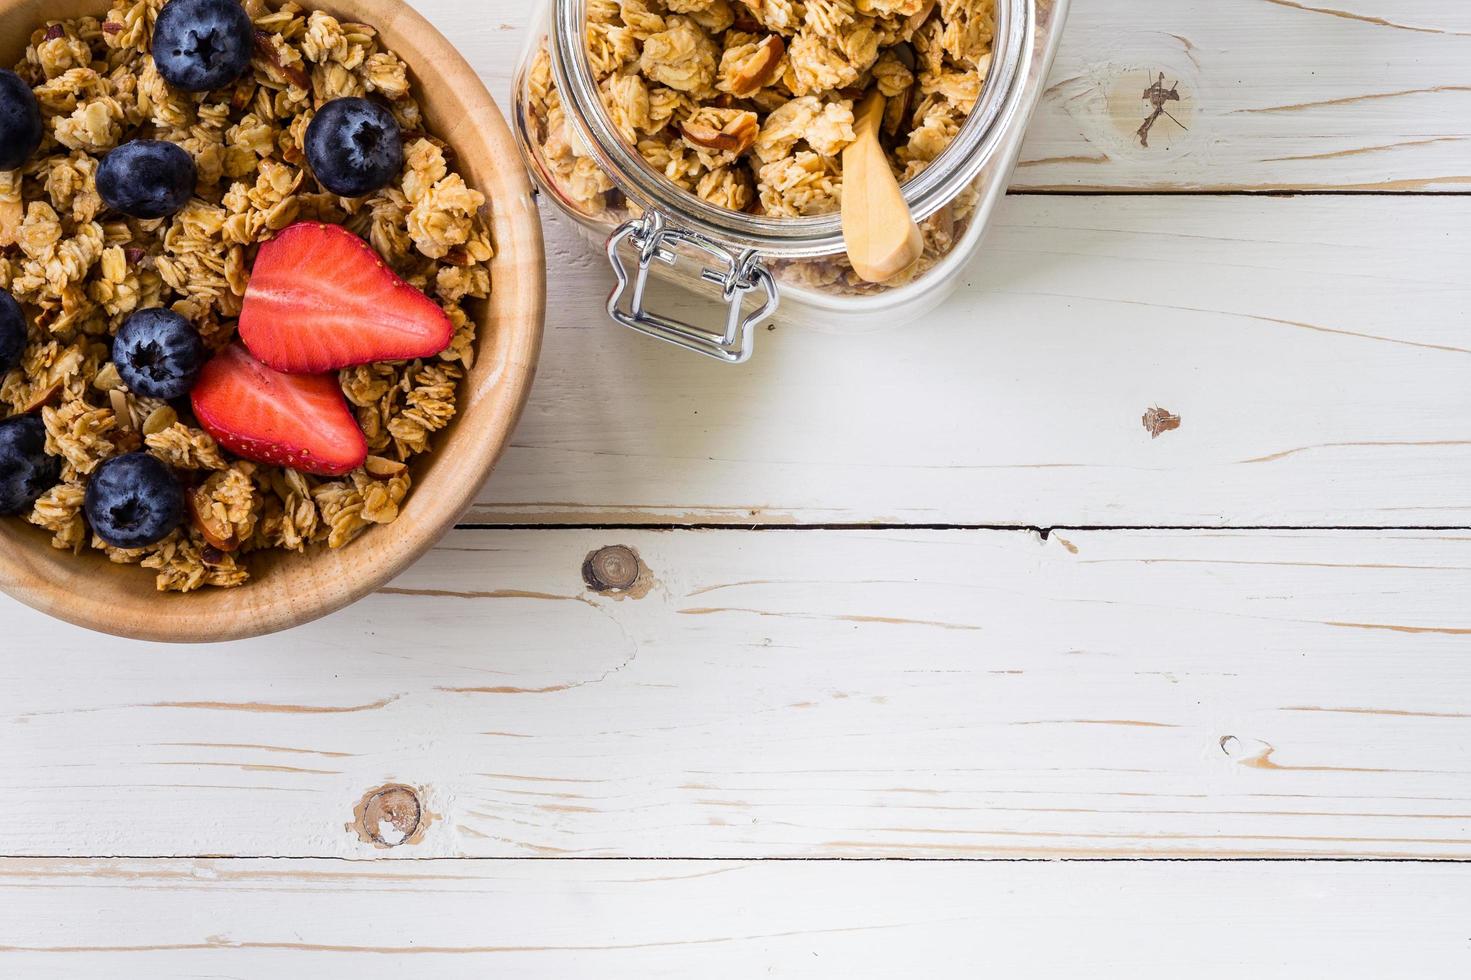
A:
(380, 467)
(737, 136)
(43, 397)
(265, 45)
(107, 378)
(159, 419)
(707, 136)
(243, 95)
(120, 409)
(761, 70)
(217, 533)
(914, 23)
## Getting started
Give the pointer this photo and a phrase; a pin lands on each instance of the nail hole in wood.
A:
(389, 816)
(616, 569)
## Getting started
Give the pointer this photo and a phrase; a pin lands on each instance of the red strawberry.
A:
(321, 299)
(294, 420)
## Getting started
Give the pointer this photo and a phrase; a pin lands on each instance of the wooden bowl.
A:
(289, 589)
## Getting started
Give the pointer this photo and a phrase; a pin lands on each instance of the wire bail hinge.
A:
(737, 274)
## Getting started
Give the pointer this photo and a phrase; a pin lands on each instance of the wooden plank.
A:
(787, 693)
(642, 919)
(1316, 350)
(1349, 95)
(1274, 94)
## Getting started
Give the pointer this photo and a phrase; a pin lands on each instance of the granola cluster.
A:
(749, 104)
(79, 270)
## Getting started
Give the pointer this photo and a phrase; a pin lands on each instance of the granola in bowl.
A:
(749, 104)
(82, 273)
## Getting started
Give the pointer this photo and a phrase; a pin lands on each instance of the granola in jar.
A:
(749, 104)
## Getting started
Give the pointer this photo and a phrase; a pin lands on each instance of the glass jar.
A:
(751, 263)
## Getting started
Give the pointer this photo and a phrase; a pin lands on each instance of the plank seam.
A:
(369, 861)
(1043, 532)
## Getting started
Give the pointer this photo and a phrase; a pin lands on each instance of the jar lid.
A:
(997, 110)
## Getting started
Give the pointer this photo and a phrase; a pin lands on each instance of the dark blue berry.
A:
(200, 45)
(20, 121)
(12, 333)
(26, 471)
(147, 179)
(354, 147)
(158, 354)
(133, 501)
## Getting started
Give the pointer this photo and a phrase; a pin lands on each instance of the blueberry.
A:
(158, 354)
(147, 179)
(20, 121)
(133, 501)
(12, 333)
(199, 45)
(26, 471)
(354, 147)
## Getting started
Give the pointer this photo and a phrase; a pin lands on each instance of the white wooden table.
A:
(917, 607)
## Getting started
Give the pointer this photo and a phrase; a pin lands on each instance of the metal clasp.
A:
(737, 275)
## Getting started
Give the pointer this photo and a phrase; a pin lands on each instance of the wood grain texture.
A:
(677, 919)
(1315, 350)
(1349, 95)
(1353, 95)
(905, 694)
(788, 693)
(289, 589)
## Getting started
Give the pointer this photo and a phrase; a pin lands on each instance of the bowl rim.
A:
(520, 254)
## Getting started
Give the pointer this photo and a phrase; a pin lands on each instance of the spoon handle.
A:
(882, 237)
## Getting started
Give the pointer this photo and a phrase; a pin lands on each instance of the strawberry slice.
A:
(294, 420)
(321, 299)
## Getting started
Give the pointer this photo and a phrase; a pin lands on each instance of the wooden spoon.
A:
(882, 236)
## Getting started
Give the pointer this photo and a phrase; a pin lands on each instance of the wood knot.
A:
(389, 816)
(615, 569)
(1158, 421)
